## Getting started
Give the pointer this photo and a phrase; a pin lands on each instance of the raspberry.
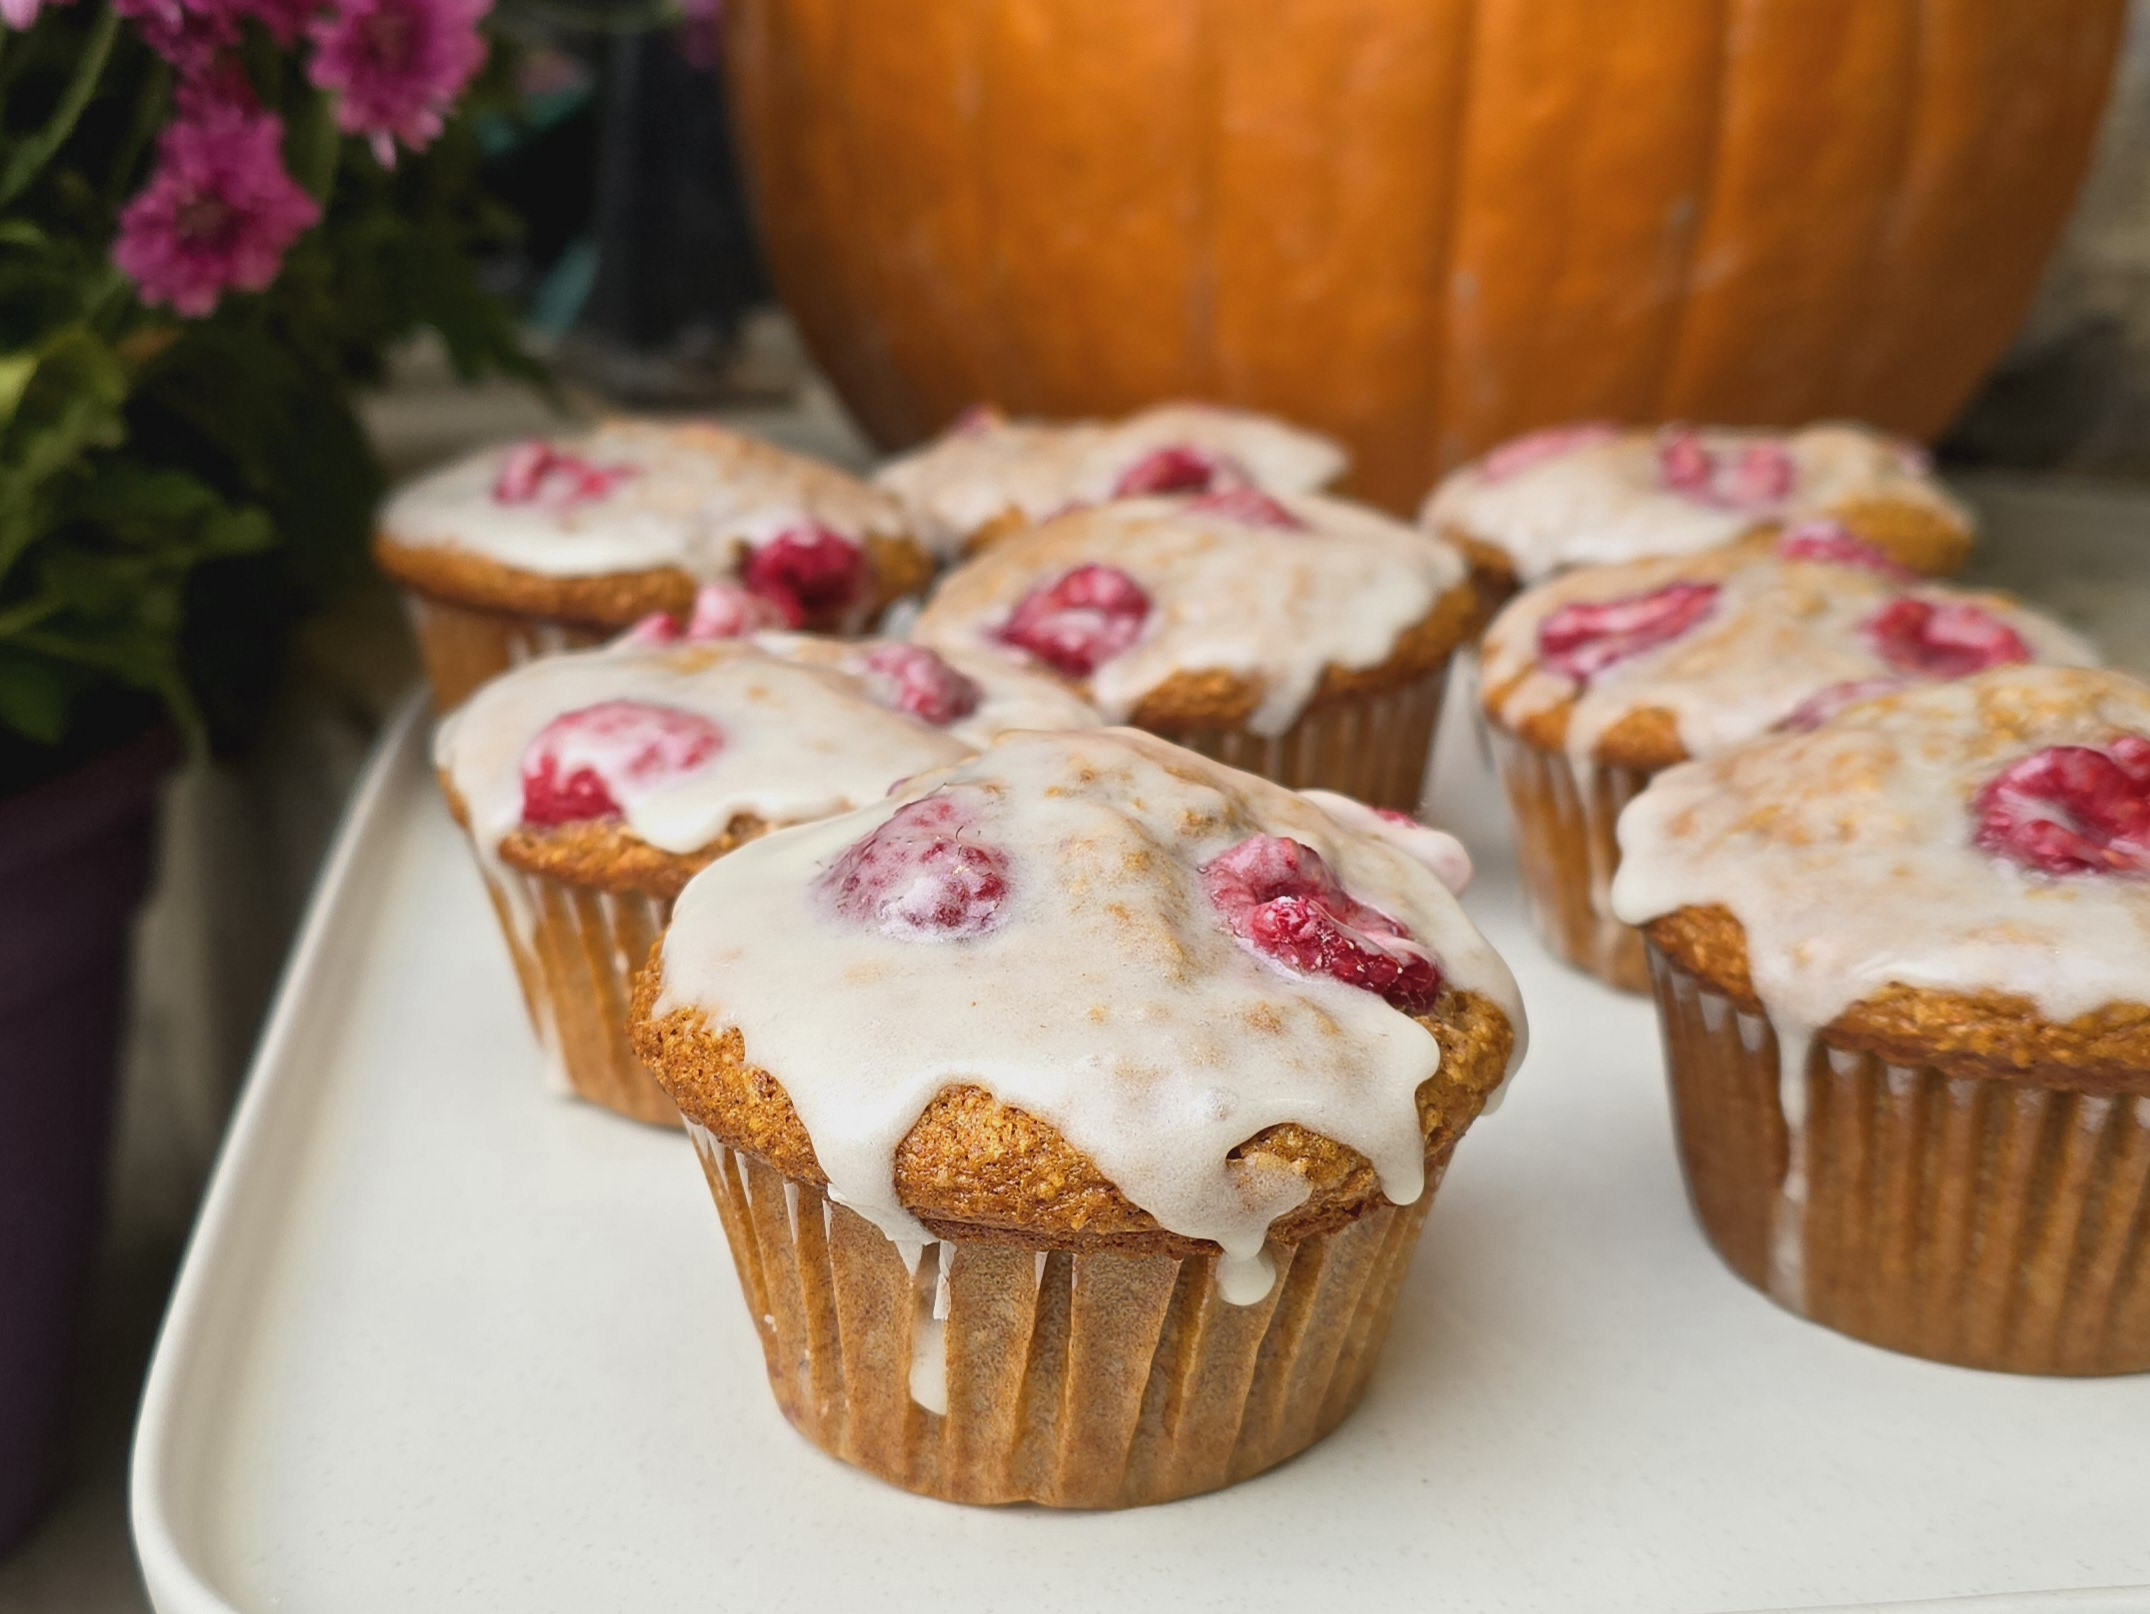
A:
(1823, 705)
(727, 611)
(585, 764)
(1250, 508)
(913, 679)
(1180, 469)
(538, 473)
(1754, 476)
(1831, 543)
(2071, 809)
(809, 573)
(654, 631)
(1521, 454)
(1951, 640)
(1079, 622)
(1282, 902)
(1583, 639)
(721, 611)
(917, 878)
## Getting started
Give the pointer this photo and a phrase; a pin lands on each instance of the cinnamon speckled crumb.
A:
(1971, 1034)
(975, 1169)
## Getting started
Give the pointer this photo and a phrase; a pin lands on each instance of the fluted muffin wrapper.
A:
(1565, 811)
(1373, 747)
(993, 1372)
(1992, 1222)
(463, 648)
(577, 950)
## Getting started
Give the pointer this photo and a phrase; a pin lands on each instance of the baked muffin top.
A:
(631, 765)
(1240, 606)
(1986, 841)
(1646, 663)
(1598, 494)
(634, 496)
(1085, 985)
(988, 469)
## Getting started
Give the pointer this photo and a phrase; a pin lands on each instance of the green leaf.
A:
(33, 697)
(15, 372)
(29, 158)
(69, 405)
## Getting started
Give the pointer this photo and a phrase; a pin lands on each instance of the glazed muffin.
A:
(989, 475)
(1598, 495)
(1072, 1114)
(548, 545)
(595, 784)
(1903, 969)
(1596, 681)
(1305, 639)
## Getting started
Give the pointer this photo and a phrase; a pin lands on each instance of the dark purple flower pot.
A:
(74, 864)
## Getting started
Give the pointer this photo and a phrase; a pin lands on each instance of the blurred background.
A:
(609, 258)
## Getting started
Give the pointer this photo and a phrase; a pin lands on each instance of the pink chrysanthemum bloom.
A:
(397, 66)
(191, 34)
(285, 20)
(21, 14)
(217, 215)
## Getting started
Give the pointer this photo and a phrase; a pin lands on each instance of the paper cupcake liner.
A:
(577, 951)
(1986, 1221)
(463, 649)
(1564, 812)
(997, 1373)
(1372, 747)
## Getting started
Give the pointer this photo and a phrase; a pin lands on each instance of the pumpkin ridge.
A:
(1449, 200)
(1719, 87)
(1863, 311)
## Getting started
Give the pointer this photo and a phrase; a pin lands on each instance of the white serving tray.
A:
(444, 1341)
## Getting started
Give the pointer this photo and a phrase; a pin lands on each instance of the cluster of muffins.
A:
(1004, 871)
(1879, 847)
(1072, 1094)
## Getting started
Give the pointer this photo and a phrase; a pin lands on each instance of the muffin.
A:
(1597, 680)
(1304, 639)
(1597, 495)
(1072, 1113)
(1902, 965)
(595, 784)
(549, 545)
(989, 475)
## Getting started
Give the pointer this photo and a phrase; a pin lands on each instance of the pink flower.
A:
(193, 34)
(21, 14)
(398, 66)
(219, 212)
(188, 35)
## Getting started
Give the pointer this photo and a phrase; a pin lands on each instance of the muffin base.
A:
(1565, 815)
(1372, 746)
(1078, 1380)
(1991, 1222)
(463, 648)
(577, 951)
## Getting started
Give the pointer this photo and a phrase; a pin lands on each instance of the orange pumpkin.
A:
(1421, 225)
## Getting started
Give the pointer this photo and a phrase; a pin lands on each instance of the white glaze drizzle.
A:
(803, 738)
(700, 496)
(1780, 632)
(1604, 502)
(1109, 1001)
(1275, 607)
(1436, 848)
(929, 1328)
(1848, 855)
(972, 476)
